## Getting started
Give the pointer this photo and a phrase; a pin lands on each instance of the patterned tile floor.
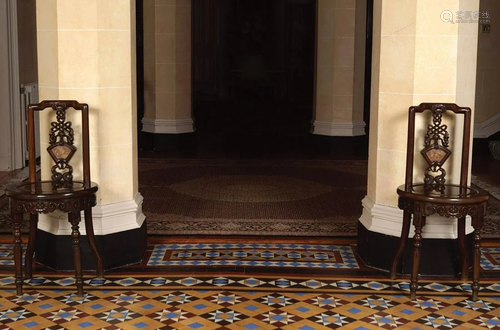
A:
(247, 285)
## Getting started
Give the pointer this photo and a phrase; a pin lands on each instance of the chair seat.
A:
(451, 194)
(46, 190)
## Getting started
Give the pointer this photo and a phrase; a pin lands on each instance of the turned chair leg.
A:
(402, 243)
(30, 250)
(463, 250)
(89, 227)
(18, 252)
(418, 222)
(477, 223)
(74, 219)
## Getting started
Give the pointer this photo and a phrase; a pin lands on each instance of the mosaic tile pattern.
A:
(330, 289)
(209, 309)
(254, 254)
(490, 258)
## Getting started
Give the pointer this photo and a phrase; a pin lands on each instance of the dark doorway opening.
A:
(253, 73)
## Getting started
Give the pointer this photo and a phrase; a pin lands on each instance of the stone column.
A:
(86, 52)
(417, 57)
(340, 53)
(167, 72)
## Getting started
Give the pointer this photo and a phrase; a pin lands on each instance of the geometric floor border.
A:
(256, 283)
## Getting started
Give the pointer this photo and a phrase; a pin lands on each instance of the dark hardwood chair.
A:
(61, 193)
(434, 195)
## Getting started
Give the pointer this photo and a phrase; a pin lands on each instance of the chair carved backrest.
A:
(61, 142)
(436, 149)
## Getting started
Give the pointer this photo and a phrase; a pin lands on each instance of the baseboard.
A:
(487, 128)
(387, 220)
(108, 219)
(167, 126)
(339, 128)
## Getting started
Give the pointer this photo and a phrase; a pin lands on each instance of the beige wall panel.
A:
(165, 18)
(397, 61)
(165, 47)
(77, 60)
(344, 3)
(183, 77)
(149, 77)
(342, 108)
(326, 23)
(115, 117)
(324, 4)
(46, 14)
(114, 69)
(389, 177)
(150, 104)
(165, 77)
(324, 106)
(325, 57)
(48, 73)
(183, 16)
(343, 53)
(183, 105)
(110, 14)
(77, 14)
(324, 80)
(183, 46)
(437, 70)
(343, 81)
(116, 181)
(166, 103)
(344, 22)
(399, 18)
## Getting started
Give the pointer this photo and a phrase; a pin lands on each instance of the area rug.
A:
(260, 197)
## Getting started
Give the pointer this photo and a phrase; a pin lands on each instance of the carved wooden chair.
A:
(61, 193)
(434, 195)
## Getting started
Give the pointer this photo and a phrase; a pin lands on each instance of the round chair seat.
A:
(47, 190)
(451, 194)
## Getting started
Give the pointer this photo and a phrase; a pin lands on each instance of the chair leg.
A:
(418, 222)
(477, 223)
(89, 227)
(30, 250)
(402, 243)
(74, 219)
(18, 252)
(463, 250)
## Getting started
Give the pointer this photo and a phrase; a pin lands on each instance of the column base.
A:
(117, 249)
(438, 256)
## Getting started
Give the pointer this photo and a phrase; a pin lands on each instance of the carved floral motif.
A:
(67, 205)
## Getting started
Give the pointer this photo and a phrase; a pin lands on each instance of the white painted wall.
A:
(10, 113)
(5, 141)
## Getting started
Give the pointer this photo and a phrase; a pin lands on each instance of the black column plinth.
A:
(438, 256)
(118, 249)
